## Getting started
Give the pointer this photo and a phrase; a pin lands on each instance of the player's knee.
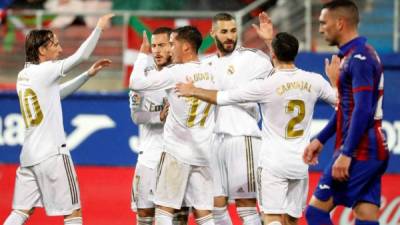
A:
(365, 211)
(146, 212)
(247, 202)
(220, 201)
(316, 216)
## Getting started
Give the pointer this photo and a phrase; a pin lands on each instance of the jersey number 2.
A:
(290, 107)
(30, 108)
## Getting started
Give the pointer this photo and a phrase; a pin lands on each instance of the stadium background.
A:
(100, 134)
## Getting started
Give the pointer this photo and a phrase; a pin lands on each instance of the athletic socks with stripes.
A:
(205, 220)
(249, 215)
(163, 217)
(316, 216)
(73, 221)
(144, 220)
(16, 217)
(366, 222)
(221, 216)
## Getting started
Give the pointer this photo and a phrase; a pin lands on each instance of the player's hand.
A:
(145, 46)
(185, 89)
(97, 66)
(266, 30)
(332, 69)
(164, 112)
(340, 169)
(104, 21)
(311, 153)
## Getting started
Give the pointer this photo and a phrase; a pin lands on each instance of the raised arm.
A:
(158, 80)
(87, 47)
(265, 30)
(73, 85)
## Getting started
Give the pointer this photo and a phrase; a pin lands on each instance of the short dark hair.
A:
(34, 40)
(223, 17)
(163, 30)
(285, 47)
(190, 34)
(347, 5)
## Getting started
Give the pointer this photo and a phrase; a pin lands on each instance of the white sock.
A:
(73, 221)
(144, 220)
(16, 217)
(205, 220)
(275, 223)
(181, 218)
(249, 215)
(221, 216)
(163, 217)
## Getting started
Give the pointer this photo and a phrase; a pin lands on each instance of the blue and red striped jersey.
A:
(358, 118)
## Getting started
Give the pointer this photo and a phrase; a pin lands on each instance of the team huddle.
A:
(200, 145)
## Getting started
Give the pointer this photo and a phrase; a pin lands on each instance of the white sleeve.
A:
(157, 81)
(73, 85)
(327, 93)
(254, 91)
(83, 53)
(261, 65)
(138, 114)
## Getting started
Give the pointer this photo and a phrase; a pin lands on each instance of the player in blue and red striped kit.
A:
(353, 178)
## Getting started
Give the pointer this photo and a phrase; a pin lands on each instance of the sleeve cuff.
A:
(222, 97)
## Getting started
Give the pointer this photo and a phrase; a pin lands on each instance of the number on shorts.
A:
(30, 108)
(290, 107)
(193, 112)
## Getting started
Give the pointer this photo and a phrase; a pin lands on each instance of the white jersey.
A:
(39, 96)
(287, 101)
(146, 114)
(239, 67)
(188, 128)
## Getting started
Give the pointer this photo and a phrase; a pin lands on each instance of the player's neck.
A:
(284, 65)
(190, 58)
(350, 35)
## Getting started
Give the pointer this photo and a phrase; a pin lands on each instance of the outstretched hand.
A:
(266, 30)
(104, 21)
(185, 89)
(311, 153)
(145, 46)
(332, 69)
(98, 65)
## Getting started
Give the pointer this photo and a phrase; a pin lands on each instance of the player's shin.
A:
(249, 215)
(181, 217)
(221, 216)
(16, 217)
(316, 216)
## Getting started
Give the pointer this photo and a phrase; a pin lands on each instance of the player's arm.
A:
(87, 47)
(252, 92)
(158, 80)
(265, 30)
(363, 113)
(73, 85)
(139, 114)
(327, 93)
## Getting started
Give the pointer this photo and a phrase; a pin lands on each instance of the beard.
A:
(168, 61)
(221, 48)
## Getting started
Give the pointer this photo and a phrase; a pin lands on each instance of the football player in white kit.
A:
(287, 99)
(149, 110)
(184, 173)
(237, 138)
(46, 177)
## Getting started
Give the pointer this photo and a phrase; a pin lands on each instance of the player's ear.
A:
(42, 50)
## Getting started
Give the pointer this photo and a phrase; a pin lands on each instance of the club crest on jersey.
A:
(230, 70)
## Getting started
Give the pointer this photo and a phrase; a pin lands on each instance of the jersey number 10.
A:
(30, 108)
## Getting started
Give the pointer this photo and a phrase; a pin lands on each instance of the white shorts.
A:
(143, 186)
(180, 183)
(52, 183)
(234, 161)
(281, 195)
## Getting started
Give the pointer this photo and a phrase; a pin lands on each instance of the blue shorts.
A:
(364, 184)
